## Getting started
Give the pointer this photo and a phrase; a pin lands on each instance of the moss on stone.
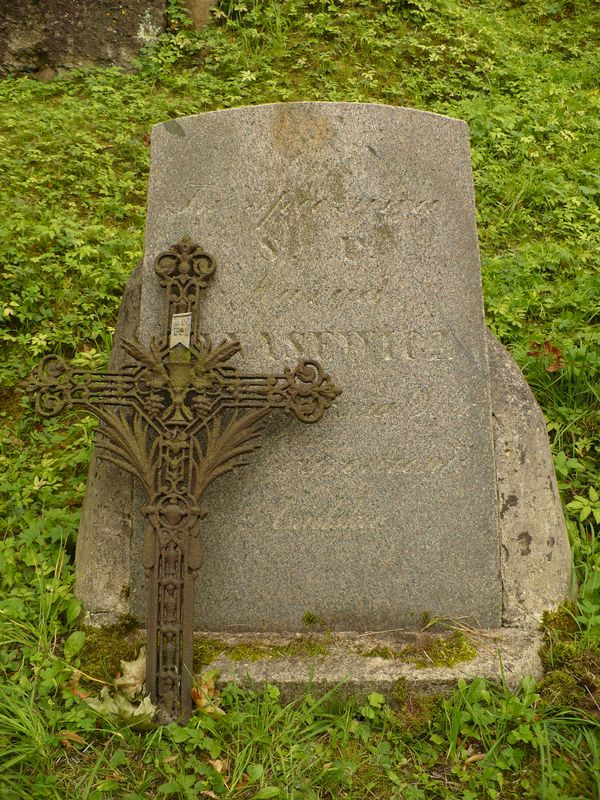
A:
(563, 619)
(313, 622)
(400, 692)
(576, 683)
(207, 649)
(560, 688)
(437, 652)
(384, 652)
(556, 653)
(561, 641)
(572, 667)
(444, 652)
(105, 648)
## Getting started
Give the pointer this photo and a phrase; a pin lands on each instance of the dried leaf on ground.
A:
(475, 757)
(133, 676)
(68, 737)
(206, 695)
(120, 709)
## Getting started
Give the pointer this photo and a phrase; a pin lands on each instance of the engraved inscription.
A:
(374, 345)
(372, 295)
(369, 219)
(392, 462)
(318, 523)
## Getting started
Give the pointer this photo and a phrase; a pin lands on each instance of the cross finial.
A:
(184, 271)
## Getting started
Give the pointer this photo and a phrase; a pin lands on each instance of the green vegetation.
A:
(104, 649)
(207, 649)
(74, 158)
(311, 621)
(439, 651)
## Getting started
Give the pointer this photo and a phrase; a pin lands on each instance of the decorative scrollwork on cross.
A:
(178, 417)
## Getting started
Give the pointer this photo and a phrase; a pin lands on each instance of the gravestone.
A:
(344, 232)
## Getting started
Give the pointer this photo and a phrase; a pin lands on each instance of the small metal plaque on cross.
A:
(177, 417)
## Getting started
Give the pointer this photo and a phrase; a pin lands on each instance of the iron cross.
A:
(177, 417)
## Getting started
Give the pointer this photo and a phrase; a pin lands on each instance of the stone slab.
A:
(104, 555)
(199, 11)
(535, 551)
(503, 656)
(279, 543)
(344, 232)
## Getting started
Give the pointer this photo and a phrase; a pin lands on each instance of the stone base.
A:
(503, 655)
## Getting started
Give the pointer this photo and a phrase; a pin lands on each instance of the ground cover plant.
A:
(74, 157)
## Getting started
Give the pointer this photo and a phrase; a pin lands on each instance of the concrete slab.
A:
(502, 655)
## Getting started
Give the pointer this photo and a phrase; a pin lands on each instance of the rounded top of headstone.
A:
(305, 108)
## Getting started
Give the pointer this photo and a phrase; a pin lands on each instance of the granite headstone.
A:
(344, 232)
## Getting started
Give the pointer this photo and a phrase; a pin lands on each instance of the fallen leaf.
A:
(120, 709)
(206, 695)
(70, 736)
(133, 675)
(548, 349)
(552, 349)
(75, 678)
(218, 764)
(474, 757)
(81, 695)
(208, 793)
(74, 683)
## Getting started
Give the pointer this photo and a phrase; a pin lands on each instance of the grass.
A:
(74, 156)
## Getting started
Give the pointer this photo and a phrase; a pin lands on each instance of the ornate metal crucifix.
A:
(177, 417)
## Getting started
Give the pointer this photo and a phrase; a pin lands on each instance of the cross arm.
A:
(306, 391)
(55, 385)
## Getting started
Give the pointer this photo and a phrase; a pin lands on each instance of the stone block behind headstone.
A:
(345, 232)
(76, 33)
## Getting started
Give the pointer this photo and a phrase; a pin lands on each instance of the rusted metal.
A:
(177, 417)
